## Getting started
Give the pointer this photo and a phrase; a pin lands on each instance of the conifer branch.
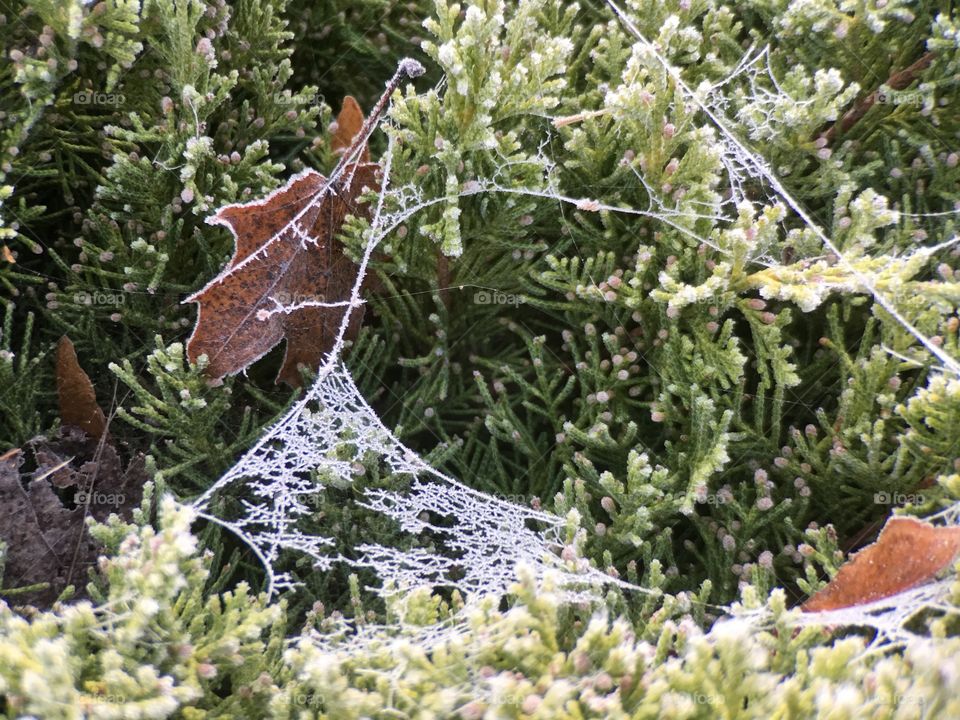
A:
(898, 81)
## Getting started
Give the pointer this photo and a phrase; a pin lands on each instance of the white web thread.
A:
(745, 157)
(332, 428)
(329, 431)
(889, 616)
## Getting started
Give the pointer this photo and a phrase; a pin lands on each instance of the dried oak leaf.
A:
(43, 511)
(286, 254)
(908, 553)
(78, 401)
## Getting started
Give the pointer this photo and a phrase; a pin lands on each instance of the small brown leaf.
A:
(78, 401)
(289, 277)
(908, 553)
(286, 254)
(349, 124)
(7, 255)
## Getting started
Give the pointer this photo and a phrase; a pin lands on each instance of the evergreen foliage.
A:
(597, 310)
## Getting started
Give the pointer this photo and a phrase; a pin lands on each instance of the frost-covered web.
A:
(757, 167)
(477, 541)
(323, 440)
(739, 167)
(890, 617)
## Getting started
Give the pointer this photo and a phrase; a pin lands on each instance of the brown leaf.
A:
(286, 253)
(42, 512)
(288, 262)
(78, 401)
(349, 124)
(908, 553)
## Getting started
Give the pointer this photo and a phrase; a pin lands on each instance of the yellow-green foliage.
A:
(599, 309)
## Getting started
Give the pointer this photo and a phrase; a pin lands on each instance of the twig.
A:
(898, 81)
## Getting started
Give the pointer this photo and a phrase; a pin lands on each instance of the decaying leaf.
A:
(78, 402)
(289, 277)
(43, 511)
(348, 126)
(908, 553)
(286, 264)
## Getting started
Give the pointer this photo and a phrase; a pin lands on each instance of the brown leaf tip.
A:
(347, 126)
(78, 400)
(908, 553)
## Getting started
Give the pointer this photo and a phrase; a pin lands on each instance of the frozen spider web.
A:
(477, 541)
(891, 617)
(323, 439)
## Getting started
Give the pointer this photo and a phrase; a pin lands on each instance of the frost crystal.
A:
(477, 542)
(319, 442)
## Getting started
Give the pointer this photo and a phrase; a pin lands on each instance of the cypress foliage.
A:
(599, 309)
